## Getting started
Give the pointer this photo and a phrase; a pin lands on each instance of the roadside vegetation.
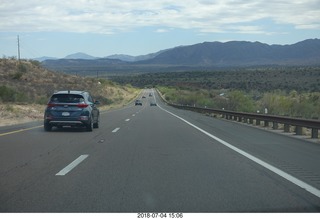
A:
(25, 88)
(294, 104)
(289, 91)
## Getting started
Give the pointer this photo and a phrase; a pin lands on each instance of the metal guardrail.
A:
(258, 119)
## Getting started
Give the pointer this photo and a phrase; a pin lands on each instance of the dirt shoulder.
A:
(11, 114)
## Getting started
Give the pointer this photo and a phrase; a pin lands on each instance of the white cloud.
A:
(111, 16)
(161, 30)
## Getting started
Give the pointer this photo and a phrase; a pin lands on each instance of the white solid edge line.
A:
(72, 165)
(277, 171)
(115, 130)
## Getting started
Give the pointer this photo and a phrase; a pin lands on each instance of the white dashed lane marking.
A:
(72, 165)
(115, 130)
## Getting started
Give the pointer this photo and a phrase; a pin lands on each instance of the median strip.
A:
(72, 165)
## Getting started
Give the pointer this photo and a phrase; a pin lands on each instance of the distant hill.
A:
(80, 55)
(207, 55)
(122, 57)
(126, 58)
(129, 58)
(43, 58)
(240, 53)
(84, 66)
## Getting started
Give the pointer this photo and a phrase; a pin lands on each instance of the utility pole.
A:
(18, 49)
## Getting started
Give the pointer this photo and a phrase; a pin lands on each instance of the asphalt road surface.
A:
(157, 159)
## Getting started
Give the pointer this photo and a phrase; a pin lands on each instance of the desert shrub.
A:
(277, 102)
(42, 100)
(22, 68)
(8, 94)
(294, 104)
(240, 101)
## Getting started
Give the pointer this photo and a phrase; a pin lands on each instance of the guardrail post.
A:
(298, 130)
(258, 122)
(275, 125)
(251, 120)
(286, 128)
(266, 123)
(314, 133)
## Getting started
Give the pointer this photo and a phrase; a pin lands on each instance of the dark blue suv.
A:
(71, 108)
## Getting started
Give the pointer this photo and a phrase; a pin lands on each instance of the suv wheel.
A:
(96, 124)
(47, 127)
(90, 126)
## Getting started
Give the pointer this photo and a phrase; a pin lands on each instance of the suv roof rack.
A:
(70, 92)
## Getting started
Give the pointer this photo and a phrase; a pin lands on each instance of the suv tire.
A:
(96, 125)
(47, 127)
(90, 126)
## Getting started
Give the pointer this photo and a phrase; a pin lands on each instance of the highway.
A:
(157, 159)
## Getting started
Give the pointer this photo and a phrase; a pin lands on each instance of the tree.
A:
(239, 101)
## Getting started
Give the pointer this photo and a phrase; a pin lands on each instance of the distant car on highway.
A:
(71, 108)
(138, 102)
(153, 103)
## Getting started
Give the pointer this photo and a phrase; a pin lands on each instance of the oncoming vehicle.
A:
(71, 108)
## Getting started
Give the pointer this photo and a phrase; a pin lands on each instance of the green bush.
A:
(240, 101)
(8, 94)
(294, 104)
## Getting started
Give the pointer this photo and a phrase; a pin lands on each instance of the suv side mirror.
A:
(96, 102)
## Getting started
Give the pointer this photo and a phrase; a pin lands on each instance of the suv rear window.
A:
(67, 98)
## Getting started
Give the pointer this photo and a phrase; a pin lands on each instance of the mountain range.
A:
(206, 55)
(123, 57)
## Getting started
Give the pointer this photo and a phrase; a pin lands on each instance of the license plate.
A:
(65, 114)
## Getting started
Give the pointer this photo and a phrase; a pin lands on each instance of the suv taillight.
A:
(82, 105)
(51, 105)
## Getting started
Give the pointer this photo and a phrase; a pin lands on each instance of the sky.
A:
(57, 28)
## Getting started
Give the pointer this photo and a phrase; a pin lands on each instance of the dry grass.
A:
(17, 113)
(33, 85)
